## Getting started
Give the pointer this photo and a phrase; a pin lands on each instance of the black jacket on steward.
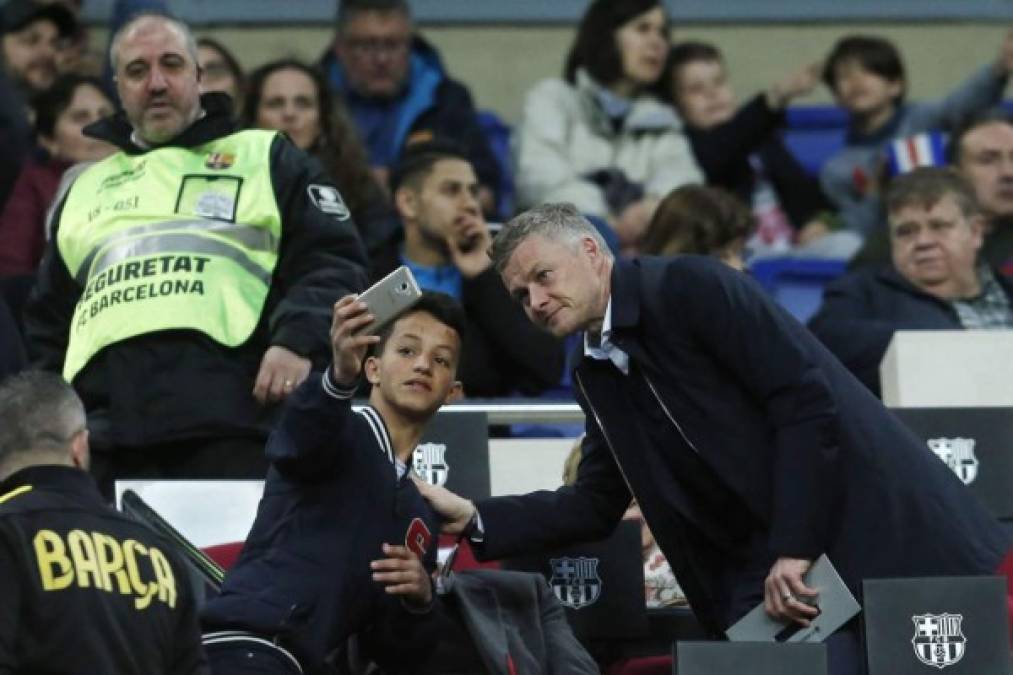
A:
(82, 587)
(179, 385)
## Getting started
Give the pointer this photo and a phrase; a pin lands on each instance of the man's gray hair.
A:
(188, 39)
(926, 185)
(39, 413)
(559, 222)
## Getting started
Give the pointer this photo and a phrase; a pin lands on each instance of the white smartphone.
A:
(388, 298)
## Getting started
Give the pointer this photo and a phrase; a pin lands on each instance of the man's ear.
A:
(456, 392)
(372, 369)
(80, 453)
(406, 201)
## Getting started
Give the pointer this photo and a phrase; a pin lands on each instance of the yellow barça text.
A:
(97, 560)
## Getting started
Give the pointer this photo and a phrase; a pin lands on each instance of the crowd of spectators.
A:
(633, 122)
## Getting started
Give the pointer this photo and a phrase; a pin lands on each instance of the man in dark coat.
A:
(750, 449)
(936, 281)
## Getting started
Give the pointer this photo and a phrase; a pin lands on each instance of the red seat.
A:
(1006, 569)
(224, 555)
(647, 665)
(466, 559)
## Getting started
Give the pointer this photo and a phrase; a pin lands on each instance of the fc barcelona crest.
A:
(958, 454)
(575, 581)
(429, 462)
(938, 640)
(219, 160)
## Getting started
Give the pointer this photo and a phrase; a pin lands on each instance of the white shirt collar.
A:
(607, 351)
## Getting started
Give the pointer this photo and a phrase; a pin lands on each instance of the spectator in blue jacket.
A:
(935, 281)
(398, 92)
(343, 543)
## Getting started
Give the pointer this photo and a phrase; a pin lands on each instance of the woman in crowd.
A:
(598, 137)
(292, 97)
(72, 103)
(220, 71)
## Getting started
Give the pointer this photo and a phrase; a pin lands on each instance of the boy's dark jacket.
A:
(330, 500)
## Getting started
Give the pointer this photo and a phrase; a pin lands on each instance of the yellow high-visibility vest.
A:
(175, 238)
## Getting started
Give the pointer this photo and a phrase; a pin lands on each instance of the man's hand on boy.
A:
(456, 511)
(348, 349)
(403, 574)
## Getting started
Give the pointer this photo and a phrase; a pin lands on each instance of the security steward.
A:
(83, 589)
(190, 275)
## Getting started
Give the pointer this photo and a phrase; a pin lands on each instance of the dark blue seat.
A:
(797, 283)
(498, 133)
(814, 133)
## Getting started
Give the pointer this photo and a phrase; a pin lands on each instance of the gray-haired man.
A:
(750, 450)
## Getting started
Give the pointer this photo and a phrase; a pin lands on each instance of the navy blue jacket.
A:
(861, 311)
(743, 440)
(330, 500)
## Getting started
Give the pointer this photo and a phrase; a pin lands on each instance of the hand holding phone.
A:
(389, 298)
(348, 345)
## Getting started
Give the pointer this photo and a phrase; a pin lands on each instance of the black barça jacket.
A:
(84, 589)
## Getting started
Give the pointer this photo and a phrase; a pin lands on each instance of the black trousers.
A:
(253, 656)
(215, 458)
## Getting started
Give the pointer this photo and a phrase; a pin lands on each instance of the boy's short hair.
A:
(440, 306)
(418, 159)
(684, 53)
(875, 54)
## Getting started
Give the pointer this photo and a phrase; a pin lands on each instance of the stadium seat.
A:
(225, 555)
(646, 665)
(498, 133)
(466, 559)
(814, 133)
(797, 283)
